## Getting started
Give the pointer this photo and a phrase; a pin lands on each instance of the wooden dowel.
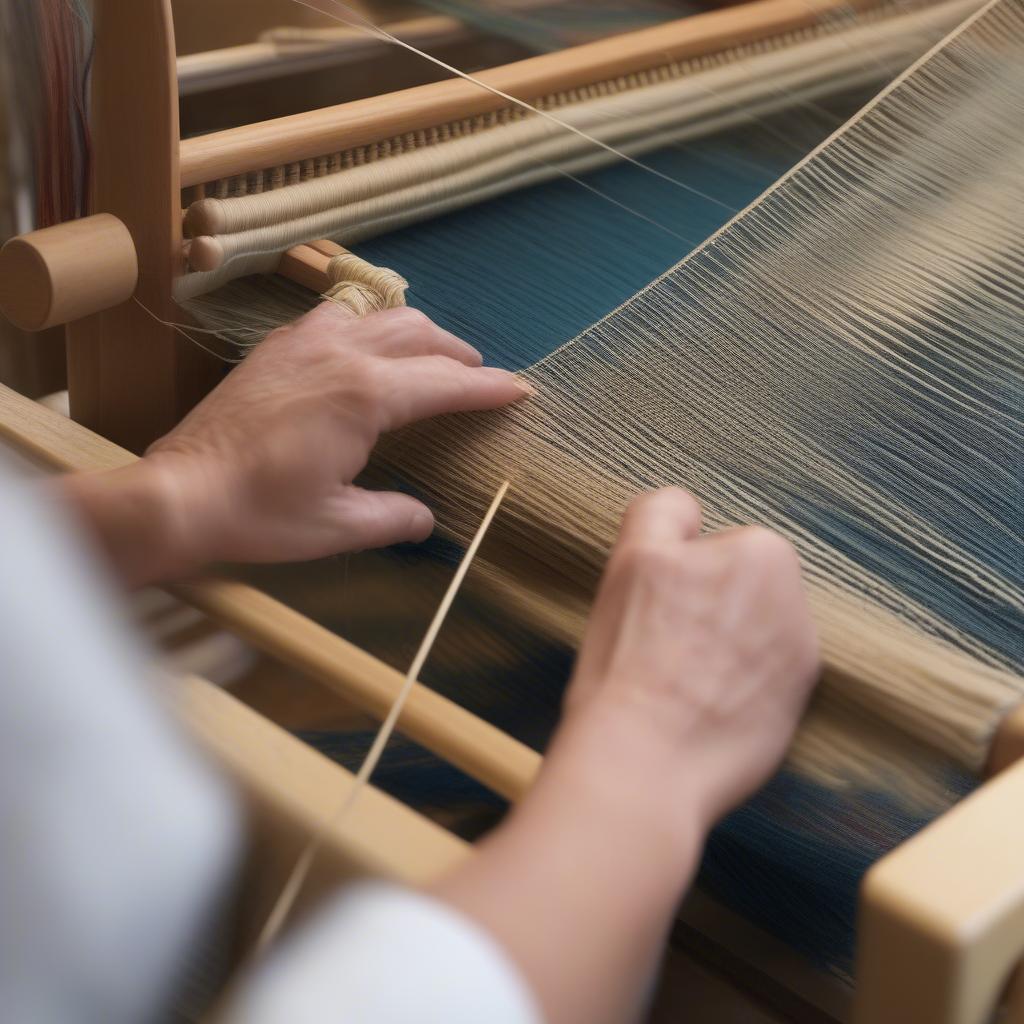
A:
(450, 731)
(315, 50)
(325, 247)
(65, 272)
(292, 789)
(331, 129)
(304, 264)
(307, 266)
(478, 748)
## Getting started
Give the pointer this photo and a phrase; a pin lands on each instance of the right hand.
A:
(701, 648)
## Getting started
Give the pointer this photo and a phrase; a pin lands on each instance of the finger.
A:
(662, 517)
(377, 519)
(423, 386)
(655, 526)
(408, 332)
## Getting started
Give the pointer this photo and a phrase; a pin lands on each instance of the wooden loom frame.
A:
(943, 916)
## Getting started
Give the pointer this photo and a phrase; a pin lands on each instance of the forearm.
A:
(136, 520)
(580, 885)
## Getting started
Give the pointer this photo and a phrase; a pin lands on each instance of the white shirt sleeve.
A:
(381, 954)
(117, 840)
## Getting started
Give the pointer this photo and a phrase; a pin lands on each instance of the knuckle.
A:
(668, 504)
(641, 559)
(362, 378)
(767, 549)
(667, 499)
(409, 318)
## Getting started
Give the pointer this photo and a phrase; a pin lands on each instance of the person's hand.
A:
(701, 648)
(697, 662)
(262, 469)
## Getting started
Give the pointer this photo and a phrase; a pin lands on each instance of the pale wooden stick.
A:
(443, 727)
(332, 129)
(306, 265)
(291, 788)
(316, 50)
(294, 884)
(478, 748)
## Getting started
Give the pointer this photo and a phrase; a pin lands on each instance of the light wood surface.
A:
(129, 377)
(291, 791)
(307, 264)
(478, 748)
(312, 134)
(66, 272)
(941, 928)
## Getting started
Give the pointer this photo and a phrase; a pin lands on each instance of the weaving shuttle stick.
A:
(454, 734)
(304, 136)
(291, 790)
(129, 377)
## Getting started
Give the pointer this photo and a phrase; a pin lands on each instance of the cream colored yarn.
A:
(362, 287)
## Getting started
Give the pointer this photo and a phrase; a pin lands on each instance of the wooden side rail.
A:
(316, 49)
(331, 129)
(941, 931)
(478, 748)
(291, 791)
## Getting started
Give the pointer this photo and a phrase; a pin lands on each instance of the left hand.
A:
(262, 469)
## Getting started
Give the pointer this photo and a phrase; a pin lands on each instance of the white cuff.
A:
(382, 954)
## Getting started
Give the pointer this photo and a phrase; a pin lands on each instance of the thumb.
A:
(376, 519)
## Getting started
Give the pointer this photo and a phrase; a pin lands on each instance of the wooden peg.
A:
(67, 272)
(306, 265)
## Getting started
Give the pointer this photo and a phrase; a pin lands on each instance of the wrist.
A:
(139, 517)
(626, 775)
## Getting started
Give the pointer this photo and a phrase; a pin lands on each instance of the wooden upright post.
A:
(130, 378)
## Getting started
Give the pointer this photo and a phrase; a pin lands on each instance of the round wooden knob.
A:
(67, 272)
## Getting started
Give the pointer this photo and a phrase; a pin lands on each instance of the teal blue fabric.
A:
(521, 275)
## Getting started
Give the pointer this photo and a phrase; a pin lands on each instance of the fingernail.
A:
(422, 523)
(526, 387)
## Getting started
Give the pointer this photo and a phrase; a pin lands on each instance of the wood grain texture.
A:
(129, 377)
(331, 129)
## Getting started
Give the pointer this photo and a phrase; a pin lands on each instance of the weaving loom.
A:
(833, 322)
